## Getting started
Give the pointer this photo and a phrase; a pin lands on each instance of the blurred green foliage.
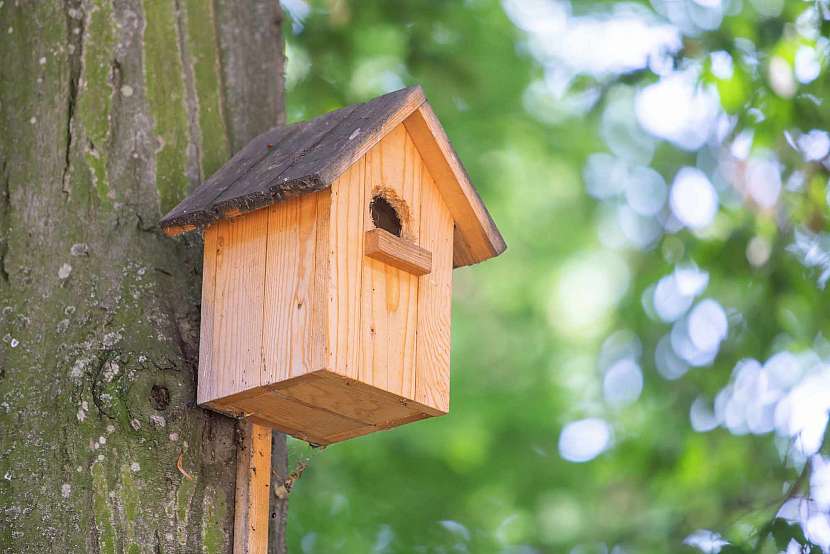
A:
(489, 476)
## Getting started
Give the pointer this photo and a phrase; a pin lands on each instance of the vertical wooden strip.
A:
(320, 335)
(239, 302)
(289, 292)
(278, 510)
(413, 168)
(415, 181)
(253, 490)
(389, 295)
(434, 301)
(281, 262)
(302, 354)
(402, 321)
(373, 316)
(220, 374)
(348, 202)
(206, 384)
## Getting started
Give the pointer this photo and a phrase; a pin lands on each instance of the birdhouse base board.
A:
(323, 407)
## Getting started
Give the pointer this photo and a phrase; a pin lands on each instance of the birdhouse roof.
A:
(309, 156)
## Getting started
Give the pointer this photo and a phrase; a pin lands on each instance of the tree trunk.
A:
(110, 111)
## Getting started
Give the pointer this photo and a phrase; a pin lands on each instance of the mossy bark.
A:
(110, 111)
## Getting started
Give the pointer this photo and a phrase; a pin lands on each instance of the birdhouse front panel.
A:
(401, 342)
(329, 250)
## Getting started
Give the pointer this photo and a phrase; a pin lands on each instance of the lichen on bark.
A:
(99, 312)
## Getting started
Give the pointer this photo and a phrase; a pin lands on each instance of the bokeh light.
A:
(584, 440)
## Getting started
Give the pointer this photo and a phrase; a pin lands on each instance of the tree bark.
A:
(110, 111)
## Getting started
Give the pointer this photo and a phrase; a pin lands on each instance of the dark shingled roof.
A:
(291, 160)
(310, 156)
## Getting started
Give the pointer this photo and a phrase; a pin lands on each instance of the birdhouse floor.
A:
(323, 407)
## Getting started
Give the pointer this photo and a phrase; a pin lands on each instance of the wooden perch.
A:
(395, 251)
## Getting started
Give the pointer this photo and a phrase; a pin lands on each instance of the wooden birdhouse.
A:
(329, 250)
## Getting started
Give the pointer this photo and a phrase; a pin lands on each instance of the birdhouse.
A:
(329, 250)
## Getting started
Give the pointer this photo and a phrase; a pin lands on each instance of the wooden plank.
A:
(239, 303)
(415, 171)
(360, 431)
(349, 398)
(435, 302)
(389, 295)
(471, 217)
(253, 490)
(320, 318)
(324, 407)
(345, 259)
(226, 409)
(306, 422)
(397, 252)
(206, 381)
(288, 345)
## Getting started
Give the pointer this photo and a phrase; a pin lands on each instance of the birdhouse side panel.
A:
(263, 300)
(345, 268)
(234, 338)
(206, 384)
(294, 317)
(432, 380)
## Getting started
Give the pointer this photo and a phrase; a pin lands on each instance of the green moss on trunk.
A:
(95, 95)
(165, 94)
(99, 312)
(201, 40)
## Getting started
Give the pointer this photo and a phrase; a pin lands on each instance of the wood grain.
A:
(435, 302)
(309, 423)
(389, 296)
(289, 346)
(323, 407)
(206, 382)
(264, 304)
(253, 490)
(397, 252)
(345, 267)
(239, 303)
(348, 398)
(320, 310)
